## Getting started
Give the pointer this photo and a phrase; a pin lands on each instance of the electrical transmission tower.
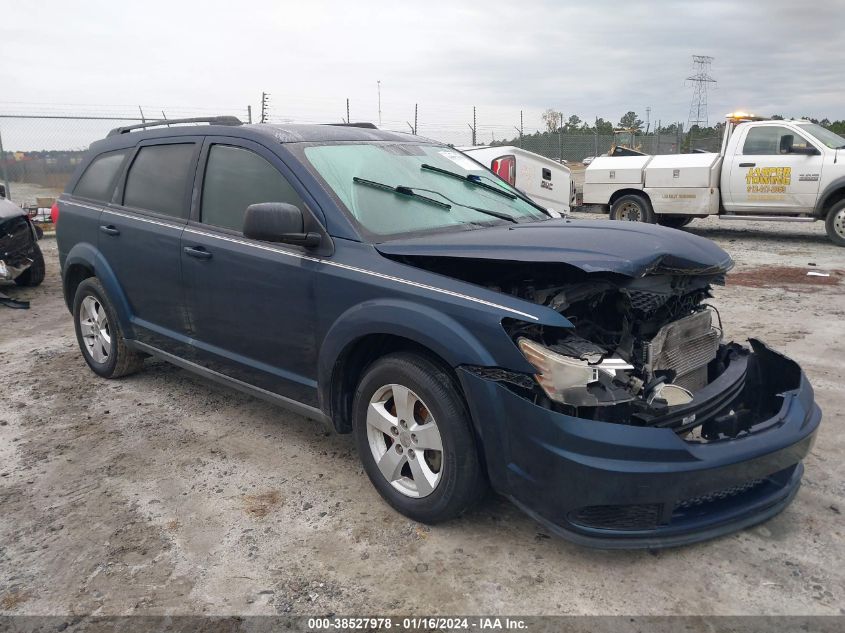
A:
(700, 80)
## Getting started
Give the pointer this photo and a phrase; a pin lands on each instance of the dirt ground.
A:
(163, 494)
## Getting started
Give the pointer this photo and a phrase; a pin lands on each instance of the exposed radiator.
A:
(685, 346)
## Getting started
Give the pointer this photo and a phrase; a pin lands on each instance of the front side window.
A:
(236, 178)
(158, 179)
(97, 183)
(772, 140)
(398, 188)
(825, 136)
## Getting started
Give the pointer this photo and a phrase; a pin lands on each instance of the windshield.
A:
(831, 139)
(398, 188)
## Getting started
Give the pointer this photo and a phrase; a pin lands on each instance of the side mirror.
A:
(278, 222)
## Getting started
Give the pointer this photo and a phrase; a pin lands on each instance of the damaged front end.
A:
(17, 243)
(645, 351)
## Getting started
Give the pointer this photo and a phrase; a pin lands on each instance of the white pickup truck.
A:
(766, 170)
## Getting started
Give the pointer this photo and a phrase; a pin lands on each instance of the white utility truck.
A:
(546, 181)
(766, 170)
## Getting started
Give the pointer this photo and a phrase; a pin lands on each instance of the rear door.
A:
(140, 233)
(251, 303)
(766, 178)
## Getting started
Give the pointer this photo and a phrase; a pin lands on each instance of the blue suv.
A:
(392, 287)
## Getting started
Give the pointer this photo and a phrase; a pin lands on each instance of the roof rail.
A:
(211, 120)
(369, 126)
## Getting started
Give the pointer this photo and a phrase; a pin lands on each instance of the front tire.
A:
(632, 208)
(415, 438)
(33, 275)
(98, 333)
(835, 223)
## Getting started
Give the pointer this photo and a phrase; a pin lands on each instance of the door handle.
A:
(748, 164)
(109, 229)
(197, 251)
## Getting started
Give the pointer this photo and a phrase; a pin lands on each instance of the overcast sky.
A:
(592, 58)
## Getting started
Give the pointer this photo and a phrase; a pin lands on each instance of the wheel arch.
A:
(374, 329)
(628, 192)
(833, 193)
(84, 261)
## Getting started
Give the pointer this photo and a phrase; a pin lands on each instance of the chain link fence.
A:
(577, 147)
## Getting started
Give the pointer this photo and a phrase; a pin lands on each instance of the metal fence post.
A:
(3, 167)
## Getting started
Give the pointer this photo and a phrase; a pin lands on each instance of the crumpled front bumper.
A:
(619, 486)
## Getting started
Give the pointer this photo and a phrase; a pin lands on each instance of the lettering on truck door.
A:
(768, 176)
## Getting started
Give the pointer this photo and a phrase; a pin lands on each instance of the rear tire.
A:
(632, 208)
(674, 221)
(33, 275)
(405, 408)
(835, 223)
(99, 335)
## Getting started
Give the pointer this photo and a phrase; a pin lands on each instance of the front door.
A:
(768, 178)
(251, 304)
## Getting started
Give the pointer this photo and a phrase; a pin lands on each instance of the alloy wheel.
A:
(94, 325)
(405, 441)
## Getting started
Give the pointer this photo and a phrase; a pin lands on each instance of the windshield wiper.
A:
(401, 190)
(495, 214)
(477, 181)
(470, 178)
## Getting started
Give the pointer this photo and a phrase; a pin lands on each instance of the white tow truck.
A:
(766, 170)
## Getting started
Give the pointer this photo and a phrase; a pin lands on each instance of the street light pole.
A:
(378, 84)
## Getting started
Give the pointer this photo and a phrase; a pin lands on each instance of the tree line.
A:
(554, 123)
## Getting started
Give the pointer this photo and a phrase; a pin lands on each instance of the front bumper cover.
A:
(619, 486)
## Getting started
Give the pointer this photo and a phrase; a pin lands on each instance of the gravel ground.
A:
(160, 493)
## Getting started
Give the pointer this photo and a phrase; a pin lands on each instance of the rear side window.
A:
(97, 183)
(236, 178)
(158, 179)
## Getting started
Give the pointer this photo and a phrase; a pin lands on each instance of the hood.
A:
(627, 248)
(9, 209)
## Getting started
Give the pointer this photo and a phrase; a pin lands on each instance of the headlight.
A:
(566, 379)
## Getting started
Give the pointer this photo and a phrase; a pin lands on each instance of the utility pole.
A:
(378, 85)
(416, 114)
(265, 107)
(348, 120)
(143, 120)
(249, 114)
(596, 149)
(560, 138)
(647, 118)
(473, 126)
(700, 81)
(414, 126)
